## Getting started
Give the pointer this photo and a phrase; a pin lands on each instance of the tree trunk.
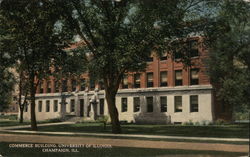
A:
(110, 97)
(21, 105)
(21, 115)
(104, 126)
(32, 103)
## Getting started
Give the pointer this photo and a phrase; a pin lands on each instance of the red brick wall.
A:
(169, 65)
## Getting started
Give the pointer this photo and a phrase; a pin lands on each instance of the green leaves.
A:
(229, 45)
(121, 35)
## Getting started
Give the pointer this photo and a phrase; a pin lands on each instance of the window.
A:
(149, 59)
(82, 84)
(194, 103)
(149, 104)
(178, 78)
(72, 105)
(56, 86)
(124, 105)
(101, 106)
(178, 103)
(194, 76)
(137, 81)
(64, 86)
(163, 100)
(193, 48)
(73, 84)
(26, 106)
(163, 58)
(40, 106)
(48, 87)
(41, 87)
(81, 107)
(125, 81)
(136, 104)
(178, 55)
(101, 85)
(47, 106)
(92, 84)
(55, 105)
(150, 82)
(163, 78)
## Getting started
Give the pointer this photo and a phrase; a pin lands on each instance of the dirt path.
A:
(123, 142)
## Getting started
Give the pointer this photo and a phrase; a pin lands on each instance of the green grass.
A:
(223, 131)
(5, 122)
(108, 152)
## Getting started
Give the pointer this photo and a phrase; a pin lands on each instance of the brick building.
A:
(167, 92)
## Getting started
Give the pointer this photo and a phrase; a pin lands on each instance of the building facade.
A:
(167, 92)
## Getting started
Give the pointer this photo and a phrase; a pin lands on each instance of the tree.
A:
(6, 88)
(121, 35)
(22, 85)
(229, 41)
(71, 63)
(6, 77)
(35, 39)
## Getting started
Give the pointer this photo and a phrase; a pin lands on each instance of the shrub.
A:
(54, 120)
(220, 122)
(10, 117)
(104, 120)
(241, 115)
(197, 123)
(188, 123)
(210, 123)
(204, 122)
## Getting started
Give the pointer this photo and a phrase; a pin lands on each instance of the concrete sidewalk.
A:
(9, 130)
(27, 126)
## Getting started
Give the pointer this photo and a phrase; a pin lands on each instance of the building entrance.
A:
(81, 107)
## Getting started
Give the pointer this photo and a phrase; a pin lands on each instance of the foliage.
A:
(6, 77)
(241, 115)
(229, 42)
(54, 120)
(190, 122)
(104, 120)
(70, 64)
(121, 35)
(198, 123)
(6, 87)
(220, 122)
(10, 117)
(34, 39)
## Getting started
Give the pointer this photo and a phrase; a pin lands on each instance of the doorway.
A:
(81, 107)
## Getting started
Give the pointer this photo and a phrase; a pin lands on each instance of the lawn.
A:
(109, 152)
(7, 122)
(226, 131)
(4, 123)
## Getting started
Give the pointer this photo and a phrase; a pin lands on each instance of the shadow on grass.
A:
(227, 131)
(5, 123)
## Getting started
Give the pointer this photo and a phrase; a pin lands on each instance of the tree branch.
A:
(88, 29)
